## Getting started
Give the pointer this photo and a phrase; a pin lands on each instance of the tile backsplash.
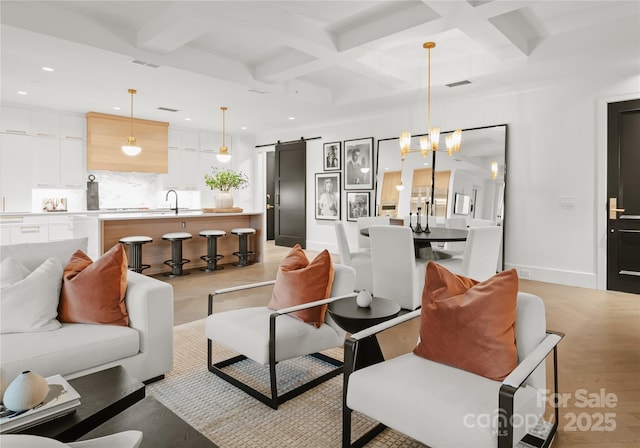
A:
(120, 190)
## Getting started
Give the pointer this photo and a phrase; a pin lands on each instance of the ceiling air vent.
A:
(459, 83)
(146, 64)
(259, 92)
(168, 109)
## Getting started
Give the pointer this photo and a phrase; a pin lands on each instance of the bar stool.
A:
(212, 256)
(243, 253)
(135, 251)
(176, 261)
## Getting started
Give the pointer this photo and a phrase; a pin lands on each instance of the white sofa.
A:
(144, 348)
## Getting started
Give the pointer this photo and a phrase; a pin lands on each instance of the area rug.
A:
(232, 419)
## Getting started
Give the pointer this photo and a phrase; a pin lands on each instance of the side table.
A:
(353, 318)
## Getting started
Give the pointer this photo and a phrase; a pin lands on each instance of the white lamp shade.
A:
(131, 150)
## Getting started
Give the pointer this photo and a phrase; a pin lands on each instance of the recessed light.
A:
(21, 92)
(187, 119)
(116, 107)
(47, 69)
(292, 118)
(244, 128)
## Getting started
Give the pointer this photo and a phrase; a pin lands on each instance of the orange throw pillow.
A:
(93, 292)
(299, 281)
(469, 324)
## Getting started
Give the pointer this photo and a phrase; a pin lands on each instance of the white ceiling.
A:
(318, 61)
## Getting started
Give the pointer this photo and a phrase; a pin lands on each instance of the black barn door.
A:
(290, 192)
(271, 194)
(623, 192)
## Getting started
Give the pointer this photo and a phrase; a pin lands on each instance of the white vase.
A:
(224, 199)
(26, 391)
(364, 299)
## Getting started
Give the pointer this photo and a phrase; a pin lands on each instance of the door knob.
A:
(613, 210)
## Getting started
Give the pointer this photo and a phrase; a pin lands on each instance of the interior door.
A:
(271, 194)
(290, 194)
(623, 191)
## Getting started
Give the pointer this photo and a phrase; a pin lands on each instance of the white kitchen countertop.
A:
(128, 214)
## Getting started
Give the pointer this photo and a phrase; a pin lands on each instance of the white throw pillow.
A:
(31, 303)
(11, 271)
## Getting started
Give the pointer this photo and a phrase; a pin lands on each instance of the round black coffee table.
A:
(353, 318)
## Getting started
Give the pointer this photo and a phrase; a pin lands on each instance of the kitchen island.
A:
(113, 226)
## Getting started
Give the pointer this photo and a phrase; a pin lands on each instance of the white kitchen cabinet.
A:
(5, 235)
(73, 164)
(45, 124)
(189, 140)
(15, 120)
(58, 163)
(184, 169)
(15, 172)
(172, 178)
(46, 162)
(190, 170)
(32, 229)
(73, 127)
(173, 139)
(210, 141)
(60, 227)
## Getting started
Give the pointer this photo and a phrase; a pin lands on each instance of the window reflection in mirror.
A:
(477, 171)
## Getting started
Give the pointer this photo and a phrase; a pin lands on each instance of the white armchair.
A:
(443, 406)
(125, 439)
(397, 274)
(268, 337)
(360, 260)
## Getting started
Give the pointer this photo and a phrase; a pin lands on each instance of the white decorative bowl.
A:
(26, 391)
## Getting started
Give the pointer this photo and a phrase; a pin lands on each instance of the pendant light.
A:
(131, 148)
(431, 141)
(223, 154)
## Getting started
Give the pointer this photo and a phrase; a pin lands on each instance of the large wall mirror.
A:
(469, 184)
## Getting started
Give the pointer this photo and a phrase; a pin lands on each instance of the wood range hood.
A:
(107, 133)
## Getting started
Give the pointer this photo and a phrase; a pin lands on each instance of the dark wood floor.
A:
(599, 356)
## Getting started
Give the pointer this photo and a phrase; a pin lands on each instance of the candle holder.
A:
(410, 226)
(426, 227)
(418, 228)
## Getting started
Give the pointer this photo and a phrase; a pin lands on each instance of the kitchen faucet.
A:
(166, 198)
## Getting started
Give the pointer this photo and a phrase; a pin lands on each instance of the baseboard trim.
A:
(559, 276)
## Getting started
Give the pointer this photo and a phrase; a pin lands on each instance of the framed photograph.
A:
(328, 196)
(358, 159)
(358, 204)
(332, 156)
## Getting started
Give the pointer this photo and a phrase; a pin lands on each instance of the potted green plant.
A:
(225, 180)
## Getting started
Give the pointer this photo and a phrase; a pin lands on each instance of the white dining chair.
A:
(368, 221)
(360, 260)
(397, 274)
(480, 256)
(454, 249)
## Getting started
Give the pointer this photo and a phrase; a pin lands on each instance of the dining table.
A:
(422, 240)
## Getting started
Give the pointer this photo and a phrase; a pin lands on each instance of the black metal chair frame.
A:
(135, 256)
(243, 253)
(505, 399)
(176, 261)
(273, 400)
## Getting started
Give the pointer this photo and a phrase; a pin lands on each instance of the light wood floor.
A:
(600, 354)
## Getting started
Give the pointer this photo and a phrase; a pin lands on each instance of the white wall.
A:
(553, 143)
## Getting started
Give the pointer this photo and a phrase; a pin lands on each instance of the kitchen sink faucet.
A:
(166, 198)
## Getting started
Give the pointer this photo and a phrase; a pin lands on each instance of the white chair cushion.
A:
(212, 233)
(71, 348)
(422, 399)
(295, 338)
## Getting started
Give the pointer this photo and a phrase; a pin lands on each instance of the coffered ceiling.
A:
(317, 61)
